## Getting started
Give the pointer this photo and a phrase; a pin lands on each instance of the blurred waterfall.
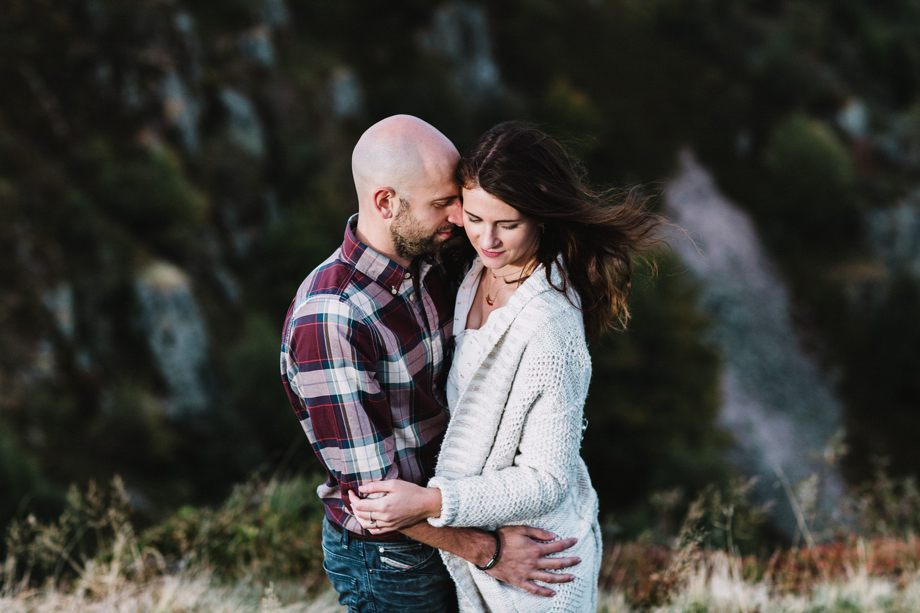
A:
(459, 33)
(778, 405)
(176, 335)
(894, 234)
(346, 93)
(244, 127)
(182, 109)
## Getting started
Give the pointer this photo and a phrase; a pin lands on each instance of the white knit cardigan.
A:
(511, 451)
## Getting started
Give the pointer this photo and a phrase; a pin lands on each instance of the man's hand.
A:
(524, 559)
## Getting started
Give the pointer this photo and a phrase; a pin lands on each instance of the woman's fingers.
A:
(364, 506)
(369, 517)
(379, 509)
(378, 487)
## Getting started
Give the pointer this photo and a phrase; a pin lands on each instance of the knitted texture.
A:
(511, 451)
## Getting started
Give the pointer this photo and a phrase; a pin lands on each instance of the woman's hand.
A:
(393, 504)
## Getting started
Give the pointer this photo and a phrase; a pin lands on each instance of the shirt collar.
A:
(365, 260)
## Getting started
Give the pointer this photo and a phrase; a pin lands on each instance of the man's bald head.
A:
(401, 153)
(407, 193)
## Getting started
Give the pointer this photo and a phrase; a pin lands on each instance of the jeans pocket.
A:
(410, 578)
(342, 571)
(345, 585)
(403, 557)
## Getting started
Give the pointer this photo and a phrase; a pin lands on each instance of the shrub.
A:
(264, 529)
(251, 365)
(653, 402)
(150, 194)
(93, 525)
(886, 506)
(21, 482)
(813, 180)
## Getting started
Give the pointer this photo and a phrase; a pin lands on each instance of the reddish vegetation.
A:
(648, 574)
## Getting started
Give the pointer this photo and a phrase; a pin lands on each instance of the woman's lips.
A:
(491, 254)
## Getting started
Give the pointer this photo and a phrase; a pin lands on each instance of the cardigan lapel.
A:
(505, 316)
(480, 408)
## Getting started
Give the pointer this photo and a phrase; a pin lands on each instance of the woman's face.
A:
(504, 238)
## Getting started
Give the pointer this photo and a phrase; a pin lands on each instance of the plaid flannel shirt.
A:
(362, 359)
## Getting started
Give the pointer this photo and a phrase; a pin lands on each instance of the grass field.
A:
(877, 576)
(260, 552)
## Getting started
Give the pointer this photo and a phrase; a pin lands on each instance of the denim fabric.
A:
(387, 577)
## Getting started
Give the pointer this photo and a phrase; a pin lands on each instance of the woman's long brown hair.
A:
(596, 233)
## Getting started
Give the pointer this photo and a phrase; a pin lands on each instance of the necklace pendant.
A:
(489, 300)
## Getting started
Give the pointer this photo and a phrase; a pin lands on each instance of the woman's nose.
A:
(488, 240)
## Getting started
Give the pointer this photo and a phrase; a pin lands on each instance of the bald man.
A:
(363, 353)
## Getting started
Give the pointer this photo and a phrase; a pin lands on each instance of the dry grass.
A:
(710, 582)
(228, 560)
(717, 586)
(182, 593)
(91, 559)
(859, 577)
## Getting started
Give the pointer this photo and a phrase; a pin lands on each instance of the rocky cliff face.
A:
(171, 170)
(139, 146)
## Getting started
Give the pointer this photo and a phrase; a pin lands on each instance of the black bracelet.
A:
(498, 550)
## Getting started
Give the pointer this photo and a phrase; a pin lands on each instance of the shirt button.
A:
(393, 290)
(411, 296)
(408, 275)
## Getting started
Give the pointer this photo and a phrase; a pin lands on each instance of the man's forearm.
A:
(471, 544)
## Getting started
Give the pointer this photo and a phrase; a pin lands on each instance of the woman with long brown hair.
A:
(552, 267)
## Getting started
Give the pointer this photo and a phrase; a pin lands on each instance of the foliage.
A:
(887, 351)
(251, 361)
(116, 149)
(813, 179)
(725, 518)
(886, 506)
(264, 529)
(152, 196)
(268, 532)
(720, 543)
(93, 525)
(656, 440)
(22, 483)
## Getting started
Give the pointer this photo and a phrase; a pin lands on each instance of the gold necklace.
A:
(489, 299)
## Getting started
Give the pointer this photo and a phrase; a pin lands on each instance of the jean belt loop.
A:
(346, 538)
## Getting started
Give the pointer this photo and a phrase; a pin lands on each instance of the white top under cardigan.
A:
(468, 343)
(511, 451)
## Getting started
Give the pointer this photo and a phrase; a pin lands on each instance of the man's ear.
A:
(385, 201)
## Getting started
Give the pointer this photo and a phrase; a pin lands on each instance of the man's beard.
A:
(407, 238)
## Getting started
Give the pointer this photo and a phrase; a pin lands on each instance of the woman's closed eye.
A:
(511, 226)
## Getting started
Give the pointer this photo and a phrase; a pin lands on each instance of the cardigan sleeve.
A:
(553, 378)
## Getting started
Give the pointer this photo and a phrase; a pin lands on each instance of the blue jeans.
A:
(406, 577)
